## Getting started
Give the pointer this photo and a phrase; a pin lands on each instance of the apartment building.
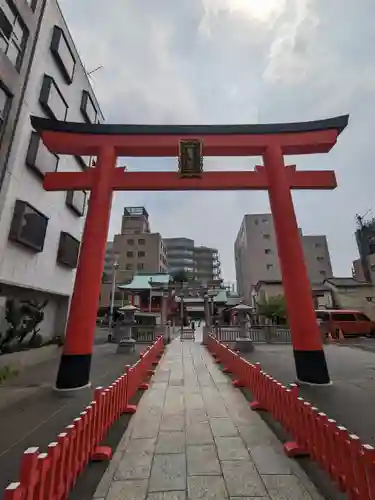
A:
(135, 250)
(207, 264)
(40, 232)
(180, 255)
(256, 257)
(200, 262)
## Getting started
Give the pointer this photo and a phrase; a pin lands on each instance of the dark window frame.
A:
(86, 97)
(59, 257)
(32, 4)
(15, 229)
(32, 153)
(128, 254)
(141, 253)
(13, 39)
(69, 202)
(141, 241)
(45, 92)
(5, 112)
(57, 34)
(336, 316)
(362, 317)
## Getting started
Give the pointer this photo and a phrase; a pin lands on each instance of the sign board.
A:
(190, 158)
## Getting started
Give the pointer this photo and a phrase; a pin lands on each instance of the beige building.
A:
(256, 257)
(322, 294)
(358, 271)
(334, 293)
(349, 293)
(135, 251)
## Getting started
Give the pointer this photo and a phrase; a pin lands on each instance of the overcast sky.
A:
(238, 61)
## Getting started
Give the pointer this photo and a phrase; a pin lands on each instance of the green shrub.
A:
(7, 372)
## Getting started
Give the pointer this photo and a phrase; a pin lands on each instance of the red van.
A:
(352, 323)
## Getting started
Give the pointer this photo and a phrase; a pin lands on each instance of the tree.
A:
(180, 277)
(273, 308)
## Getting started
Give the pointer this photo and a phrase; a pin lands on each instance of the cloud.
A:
(238, 61)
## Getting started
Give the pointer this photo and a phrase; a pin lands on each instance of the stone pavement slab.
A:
(194, 437)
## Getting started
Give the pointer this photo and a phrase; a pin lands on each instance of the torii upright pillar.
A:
(75, 363)
(310, 362)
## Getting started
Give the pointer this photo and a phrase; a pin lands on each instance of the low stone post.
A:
(243, 341)
(123, 332)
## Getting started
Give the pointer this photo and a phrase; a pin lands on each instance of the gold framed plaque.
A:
(190, 161)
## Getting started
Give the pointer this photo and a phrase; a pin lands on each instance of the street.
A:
(38, 414)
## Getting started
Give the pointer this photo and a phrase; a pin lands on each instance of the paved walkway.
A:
(194, 436)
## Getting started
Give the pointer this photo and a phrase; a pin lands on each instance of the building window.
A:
(370, 299)
(140, 266)
(52, 100)
(372, 267)
(317, 245)
(322, 273)
(141, 241)
(267, 250)
(269, 267)
(5, 100)
(62, 54)
(32, 3)
(130, 242)
(88, 108)
(256, 222)
(39, 158)
(28, 227)
(13, 33)
(68, 251)
(266, 236)
(130, 254)
(129, 267)
(265, 221)
(76, 201)
(141, 254)
(320, 259)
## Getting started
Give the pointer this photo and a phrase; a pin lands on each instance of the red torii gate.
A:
(107, 142)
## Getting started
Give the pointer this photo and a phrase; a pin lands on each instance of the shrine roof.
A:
(142, 281)
(43, 124)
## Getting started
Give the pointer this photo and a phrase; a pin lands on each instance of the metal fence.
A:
(144, 334)
(271, 334)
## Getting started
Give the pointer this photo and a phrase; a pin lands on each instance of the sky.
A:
(233, 62)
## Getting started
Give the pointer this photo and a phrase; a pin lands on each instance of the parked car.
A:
(352, 323)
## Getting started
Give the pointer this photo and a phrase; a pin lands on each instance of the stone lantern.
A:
(123, 329)
(243, 341)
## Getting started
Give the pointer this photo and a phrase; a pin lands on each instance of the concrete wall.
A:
(322, 298)
(13, 80)
(24, 359)
(361, 298)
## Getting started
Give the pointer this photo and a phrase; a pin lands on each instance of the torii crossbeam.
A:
(272, 142)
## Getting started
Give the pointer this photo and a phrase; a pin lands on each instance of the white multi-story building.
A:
(40, 231)
(256, 256)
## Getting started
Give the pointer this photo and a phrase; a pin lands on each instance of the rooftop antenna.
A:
(89, 73)
(360, 218)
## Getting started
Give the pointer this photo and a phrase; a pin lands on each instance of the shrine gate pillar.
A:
(75, 363)
(310, 362)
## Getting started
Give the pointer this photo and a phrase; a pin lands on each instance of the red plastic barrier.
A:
(349, 462)
(53, 474)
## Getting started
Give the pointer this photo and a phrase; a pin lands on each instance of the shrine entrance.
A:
(190, 144)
